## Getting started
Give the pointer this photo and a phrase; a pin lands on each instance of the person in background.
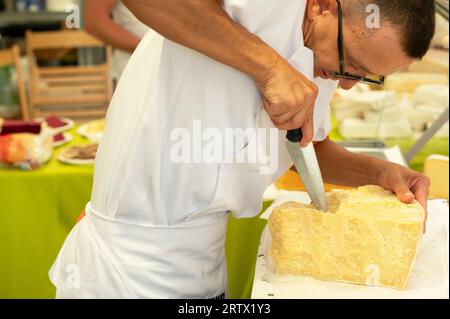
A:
(111, 22)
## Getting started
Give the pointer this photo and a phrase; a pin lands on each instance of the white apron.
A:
(125, 18)
(155, 228)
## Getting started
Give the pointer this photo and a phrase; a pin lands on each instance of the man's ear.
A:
(316, 8)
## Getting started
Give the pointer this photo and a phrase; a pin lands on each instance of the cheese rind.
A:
(369, 237)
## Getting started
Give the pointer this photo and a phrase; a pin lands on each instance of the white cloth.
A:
(125, 18)
(166, 86)
(105, 258)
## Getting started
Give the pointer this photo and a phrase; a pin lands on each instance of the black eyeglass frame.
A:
(345, 75)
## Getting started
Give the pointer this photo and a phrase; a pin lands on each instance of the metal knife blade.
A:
(305, 160)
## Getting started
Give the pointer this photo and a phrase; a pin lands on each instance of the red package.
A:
(58, 137)
(54, 122)
(15, 126)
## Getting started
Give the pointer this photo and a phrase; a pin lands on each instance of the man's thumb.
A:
(404, 193)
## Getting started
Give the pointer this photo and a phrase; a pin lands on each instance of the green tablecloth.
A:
(39, 208)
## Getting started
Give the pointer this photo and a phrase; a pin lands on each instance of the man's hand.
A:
(406, 184)
(289, 98)
(342, 167)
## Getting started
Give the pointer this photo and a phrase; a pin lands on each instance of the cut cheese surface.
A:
(369, 237)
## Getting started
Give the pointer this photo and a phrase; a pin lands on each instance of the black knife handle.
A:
(295, 136)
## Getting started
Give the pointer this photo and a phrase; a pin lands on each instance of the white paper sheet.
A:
(429, 279)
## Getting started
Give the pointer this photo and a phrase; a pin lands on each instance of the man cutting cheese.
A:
(155, 227)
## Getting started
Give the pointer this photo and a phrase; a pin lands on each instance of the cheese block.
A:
(369, 237)
(437, 169)
(360, 129)
(372, 100)
(408, 82)
(391, 114)
(348, 113)
(443, 132)
(432, 95)
(435, 61)
(422, 116)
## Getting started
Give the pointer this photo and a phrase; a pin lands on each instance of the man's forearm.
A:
(345, 168)
(204, 26)
(99, 23)
(114, 35)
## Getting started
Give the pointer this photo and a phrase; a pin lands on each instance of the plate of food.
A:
(26, 151)
(79, 154)
(57, 124)
(61, 139)
(92, 130)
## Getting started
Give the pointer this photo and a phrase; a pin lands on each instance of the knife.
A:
(305, 161)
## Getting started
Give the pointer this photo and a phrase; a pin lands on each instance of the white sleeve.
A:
(251, 14)
(322, 113)
(323, 126)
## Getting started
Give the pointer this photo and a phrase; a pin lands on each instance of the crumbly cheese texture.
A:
(368, 237)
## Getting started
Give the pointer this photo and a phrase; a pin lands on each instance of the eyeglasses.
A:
(375, 79)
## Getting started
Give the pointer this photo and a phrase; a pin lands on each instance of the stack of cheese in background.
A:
(437, 169)
(369, 237)
(408, 105)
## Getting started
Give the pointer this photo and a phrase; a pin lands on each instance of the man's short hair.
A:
(416, 20)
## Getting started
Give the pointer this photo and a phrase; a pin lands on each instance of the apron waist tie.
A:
(181, 261)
